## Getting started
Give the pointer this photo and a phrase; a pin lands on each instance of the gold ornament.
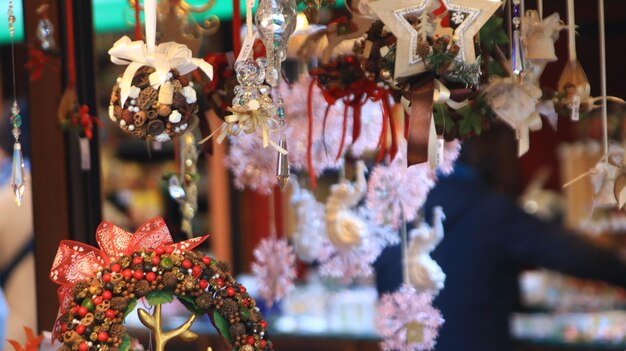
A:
(153, 322)
(414, 332)
(394, 14)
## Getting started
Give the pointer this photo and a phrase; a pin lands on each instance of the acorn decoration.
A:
(154, 110)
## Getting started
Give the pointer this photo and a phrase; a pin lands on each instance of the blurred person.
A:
(488, 242)
(17, 260)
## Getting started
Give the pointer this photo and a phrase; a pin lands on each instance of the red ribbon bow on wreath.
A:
(76, 261)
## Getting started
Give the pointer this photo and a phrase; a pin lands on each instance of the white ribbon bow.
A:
(550, 26)
(166, 56)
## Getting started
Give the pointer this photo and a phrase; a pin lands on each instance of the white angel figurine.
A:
(345, 228)
(423, 272)
(310, 231)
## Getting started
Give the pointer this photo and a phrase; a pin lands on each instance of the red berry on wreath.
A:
(80, 329)
(82, 311)
(250, 340)
(206, 260)
(196, 271)
(138, 274)
(242, 289)
(203, 284)
(97, 300)
(107, 295)
(106, 277)
(127, 273)
(219, 282)
(156, 260)
(263, 324)
(159, 250)
(187, 264)
(169, 250)
(150, 276)
(262, 343)
(110, 314)
(103, 336)
(230, 291)
(115, 267)
(83, 346)
(137, 260)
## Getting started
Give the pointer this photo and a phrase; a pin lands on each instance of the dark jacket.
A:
(488, 241)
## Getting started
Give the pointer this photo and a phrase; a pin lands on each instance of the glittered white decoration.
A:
(396, 192)
(274, 269)
(407, 321)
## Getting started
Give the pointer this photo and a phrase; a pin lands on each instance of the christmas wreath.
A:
(100, 287)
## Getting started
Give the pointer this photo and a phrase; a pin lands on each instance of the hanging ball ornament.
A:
(155, 111)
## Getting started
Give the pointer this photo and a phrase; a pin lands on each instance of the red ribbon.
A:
(356, 118)
(76, 261)
(394, 142)
(236, 27)
(382, 140)
(37, 60)
(309, 148)
(344, 129)
(138, 35)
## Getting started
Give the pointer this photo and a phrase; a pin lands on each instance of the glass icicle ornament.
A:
(282, 164)
(45, 30)
(276, 21)
(517, 54)
(18, 178)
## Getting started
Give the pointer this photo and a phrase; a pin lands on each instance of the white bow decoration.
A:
(163, 57)
(516, 104)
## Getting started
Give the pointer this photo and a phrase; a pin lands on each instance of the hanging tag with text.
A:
(441, 145)
(246, 48)
(575, 108)
(85, 154)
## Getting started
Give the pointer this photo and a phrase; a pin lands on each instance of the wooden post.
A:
(49, 177)
(219, 197)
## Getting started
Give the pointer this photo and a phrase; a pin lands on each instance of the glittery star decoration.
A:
(394, 12)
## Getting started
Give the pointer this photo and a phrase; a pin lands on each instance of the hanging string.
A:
(405, 245)
(71, 59)
(138, 35)
(571, 31)
(605, 135)
(178, 159)
(12, 34)
(150, 14)
(249, 6)
(236, 27)
(540, 8)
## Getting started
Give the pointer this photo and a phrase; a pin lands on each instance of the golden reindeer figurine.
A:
(153, 322)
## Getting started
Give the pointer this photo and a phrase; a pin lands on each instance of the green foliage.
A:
(471, 121)
(494, 68)
(190, 305)
(222, 326)
(125, 345)
(159, 297)
(442, 118)
(245, 313)
(439, 61)
(131, 307)
(493, 33)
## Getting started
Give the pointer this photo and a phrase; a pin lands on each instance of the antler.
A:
(153, 322)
